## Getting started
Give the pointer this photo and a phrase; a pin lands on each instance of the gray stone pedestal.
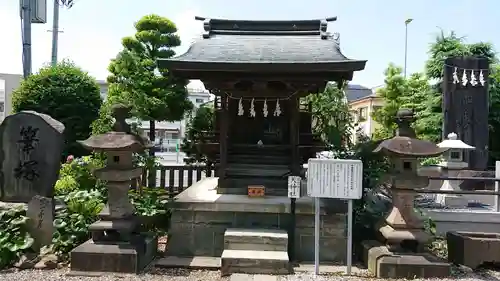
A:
(114, 247)
(201, 216)
(384, 263)
(119, 257)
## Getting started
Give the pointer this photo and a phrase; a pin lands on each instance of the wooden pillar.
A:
(294, 135)
(224, 119)
(293, 109)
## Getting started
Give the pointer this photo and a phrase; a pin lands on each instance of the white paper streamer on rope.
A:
(264, 109)
(464, 79)
(481, 78)
(241, 110)
(277, 110)
(252, 109)
(455, 76)
(473, 80)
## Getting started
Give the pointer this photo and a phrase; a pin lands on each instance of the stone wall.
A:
(201, 233)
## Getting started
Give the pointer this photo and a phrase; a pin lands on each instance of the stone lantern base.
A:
(120, 257)
(114, 247)
(388, 264)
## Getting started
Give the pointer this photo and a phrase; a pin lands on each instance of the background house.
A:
(8, 83)
(363, 102)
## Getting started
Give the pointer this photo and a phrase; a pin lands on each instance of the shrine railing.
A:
(175, 178)
(495, 192)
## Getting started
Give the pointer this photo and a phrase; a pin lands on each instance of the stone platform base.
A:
(200, 217)
(254, 262)
(92, 257)
(385, 264)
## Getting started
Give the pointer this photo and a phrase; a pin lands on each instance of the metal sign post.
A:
(349, 236)
(334, 178)
(316, 234)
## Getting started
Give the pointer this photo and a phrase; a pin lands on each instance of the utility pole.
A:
(55, 27)
(26, 36)
(406, 43)
(55, 33)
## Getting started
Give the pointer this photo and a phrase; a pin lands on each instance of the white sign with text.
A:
(294, 183)
(335, 178)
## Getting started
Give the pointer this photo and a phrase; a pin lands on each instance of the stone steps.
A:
(255, 251)
(259, 239)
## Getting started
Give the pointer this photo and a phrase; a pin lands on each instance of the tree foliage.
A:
(443, 47)
(331, 116)
(202, 120)
(398, 93)
(66, 93)
(422, 92)
(104, 123)
(153, 92)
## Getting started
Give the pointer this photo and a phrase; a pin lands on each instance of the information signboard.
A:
(335, 178)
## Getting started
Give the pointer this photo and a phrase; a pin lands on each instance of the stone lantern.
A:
(400, 255)
(451, 166)
(116, 245)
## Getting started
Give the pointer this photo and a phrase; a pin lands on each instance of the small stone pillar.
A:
(451, 166)
(116, 244)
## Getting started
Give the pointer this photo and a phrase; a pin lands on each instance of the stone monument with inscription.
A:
(30, 155)
(116, 245)
(31, 147)
(466, 107)
(401, 253)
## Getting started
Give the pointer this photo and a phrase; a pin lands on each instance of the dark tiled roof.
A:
(268, 42)
(264, 49)
(356, 92)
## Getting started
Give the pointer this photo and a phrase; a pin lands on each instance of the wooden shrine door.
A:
(248, 129)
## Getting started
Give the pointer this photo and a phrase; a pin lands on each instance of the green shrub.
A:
(80, 169)
(72, 223)
(66, 93)
(151, 205)
(14, 236)
(65, 185)
(431, 161)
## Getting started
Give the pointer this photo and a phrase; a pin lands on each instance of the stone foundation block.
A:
(254, 262)
(385, 264)
(113, 257)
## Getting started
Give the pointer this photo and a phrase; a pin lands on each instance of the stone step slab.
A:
(255, 262)
(256, 239)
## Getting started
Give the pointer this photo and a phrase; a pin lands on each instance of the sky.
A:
(369, 30)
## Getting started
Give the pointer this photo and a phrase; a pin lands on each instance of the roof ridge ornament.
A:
(207, 27)
(336, 38)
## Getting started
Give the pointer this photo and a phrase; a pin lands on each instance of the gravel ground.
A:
(200, 275)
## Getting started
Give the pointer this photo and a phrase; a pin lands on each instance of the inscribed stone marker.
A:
(31, 146)
(41, 214)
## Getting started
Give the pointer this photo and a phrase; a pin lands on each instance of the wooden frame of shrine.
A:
(259, 71)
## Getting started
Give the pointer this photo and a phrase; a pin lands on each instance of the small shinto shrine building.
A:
(259, 71)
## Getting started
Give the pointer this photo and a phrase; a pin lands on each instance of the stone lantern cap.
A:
(453, 142)
(120, 138)
(405, 142)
